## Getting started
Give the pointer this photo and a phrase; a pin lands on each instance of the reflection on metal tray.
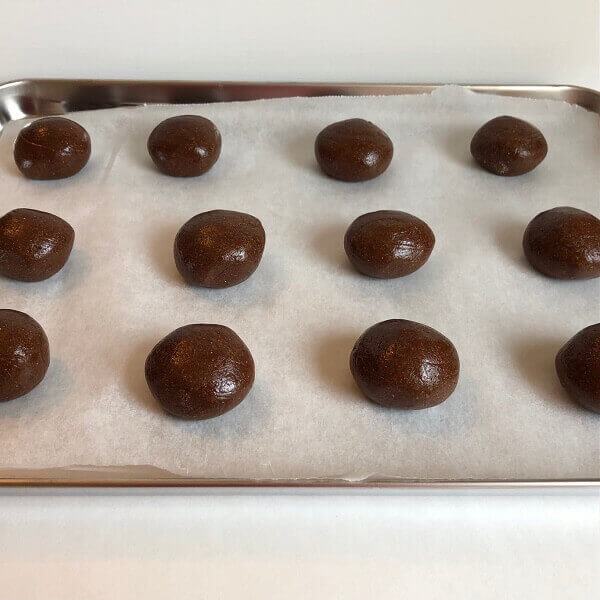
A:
(43, 97)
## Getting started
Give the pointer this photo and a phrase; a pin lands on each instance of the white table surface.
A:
(289, 546)
(207, 545)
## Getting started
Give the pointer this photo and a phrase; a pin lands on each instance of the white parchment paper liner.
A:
(301, 312)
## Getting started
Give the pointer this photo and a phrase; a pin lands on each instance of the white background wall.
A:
(508, 41)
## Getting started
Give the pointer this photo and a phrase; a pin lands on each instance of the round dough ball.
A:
(388, 243)
(185, 146)
(34, 245)
(508, 146)
(52, 148)
(353, 150)
(24, 354)
(564, 243)
(403, 364)
(219, 248)
(578, 367)
(200, 371)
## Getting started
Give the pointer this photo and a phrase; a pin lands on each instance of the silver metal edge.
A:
(315, 484)
(41, 97)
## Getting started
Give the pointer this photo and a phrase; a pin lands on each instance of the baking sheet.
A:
(301, 312)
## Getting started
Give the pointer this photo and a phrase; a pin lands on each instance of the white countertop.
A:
(207, 545)
(299, 546)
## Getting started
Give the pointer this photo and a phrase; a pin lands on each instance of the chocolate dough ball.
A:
(578, 367)
(34, 245)
(185, 146)
(403, 364)
(353, 150)
(564, 243)
(508, 146)
(24, 354)
(219, 248)
(52, 148)
(200, 371)
(388, 243)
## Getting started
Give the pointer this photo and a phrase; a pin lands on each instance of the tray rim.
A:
(45, 96)
(582, 96)
(308, 484)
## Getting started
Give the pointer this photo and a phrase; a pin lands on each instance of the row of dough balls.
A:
(221, 248)
(202, 371)
(189, 145)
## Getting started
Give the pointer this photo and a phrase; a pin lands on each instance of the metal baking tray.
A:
(44, 97)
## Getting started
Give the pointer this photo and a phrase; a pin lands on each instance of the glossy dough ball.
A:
(219, 248)
(200, 371)
(564, 243)
(185, 146)
(353, 150)
(508, 146)
(24, 354)
(388, 243)
(52, 148)
(403, 364)
(578, 367)
(34, 245)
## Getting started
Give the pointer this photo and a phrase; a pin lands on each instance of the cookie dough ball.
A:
(24, 354)
(578, 367)
(403, 364)
(388, 243)
(353, 150)
(52, 148)
(200, 371)
(508, 146)
(564, 243)
(34, 245)
(219, 248)
(185, 146)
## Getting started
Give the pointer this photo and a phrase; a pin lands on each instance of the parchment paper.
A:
(302, 310)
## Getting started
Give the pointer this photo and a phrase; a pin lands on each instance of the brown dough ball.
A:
(388, 243)
(578, 367)
(200, 371)
(403, 364)
(52, 148)
(34, 245)
(219, 248)
(185, 146)
(564, 243)
(353, 150)
(508, 146)
(24, 354)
